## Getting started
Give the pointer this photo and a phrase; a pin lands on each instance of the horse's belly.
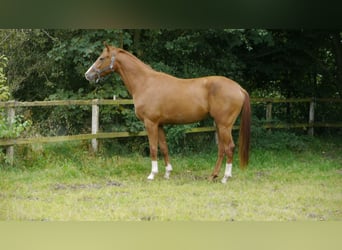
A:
(184, 112)
(178, 105)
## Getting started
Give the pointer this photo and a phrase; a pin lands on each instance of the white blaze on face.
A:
(90, 74)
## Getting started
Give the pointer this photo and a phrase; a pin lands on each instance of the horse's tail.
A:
(245, 131)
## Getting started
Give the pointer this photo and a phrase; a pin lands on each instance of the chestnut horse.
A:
(161, 99)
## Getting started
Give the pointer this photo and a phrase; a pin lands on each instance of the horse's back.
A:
(168, 99)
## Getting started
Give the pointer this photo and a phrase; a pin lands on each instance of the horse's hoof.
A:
(212, 177)
(224, 180)
(150, 177)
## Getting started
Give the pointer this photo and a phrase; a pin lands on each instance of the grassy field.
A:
(63, 182)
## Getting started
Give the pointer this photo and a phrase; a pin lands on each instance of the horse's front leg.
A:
(165, 151)
(152, 133)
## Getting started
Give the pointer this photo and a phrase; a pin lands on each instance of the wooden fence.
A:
(95, 134)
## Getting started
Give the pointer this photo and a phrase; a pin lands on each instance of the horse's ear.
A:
(106, 45)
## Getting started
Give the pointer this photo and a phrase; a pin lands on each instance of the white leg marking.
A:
(227, 173)
(154, 170)
(168, 170)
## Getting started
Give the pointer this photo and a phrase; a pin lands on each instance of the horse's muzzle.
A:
(91, 75)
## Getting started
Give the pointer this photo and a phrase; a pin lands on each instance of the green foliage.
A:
(4, 90)
(63, 120)
(277, 140)
(178, 140)
(42, 62)
(28, 71)
(132, 124)
(295, 63)
(16, 129)
(19, 126)
(79, 48)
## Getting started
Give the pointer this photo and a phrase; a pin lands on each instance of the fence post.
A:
(94, 123)
(10, 121)
(215, 135)
(269, 113)
(311, 117)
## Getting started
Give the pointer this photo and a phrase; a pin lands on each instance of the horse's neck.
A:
(133, 72)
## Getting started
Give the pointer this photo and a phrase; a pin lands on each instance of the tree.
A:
(50, 64)
(297, 63)
(4, 90)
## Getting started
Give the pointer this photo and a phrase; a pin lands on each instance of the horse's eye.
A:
(101, 58)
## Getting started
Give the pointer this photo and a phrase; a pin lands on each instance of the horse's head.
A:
(103, 66)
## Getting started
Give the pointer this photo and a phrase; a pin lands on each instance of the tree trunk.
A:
(136, 42)
(337, 47)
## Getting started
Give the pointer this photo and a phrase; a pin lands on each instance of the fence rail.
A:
(95, 103)
(13, 104)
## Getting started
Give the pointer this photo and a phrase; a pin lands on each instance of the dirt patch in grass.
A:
(60, 186)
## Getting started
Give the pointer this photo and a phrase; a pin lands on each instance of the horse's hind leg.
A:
(225, 147)
(218, 164)
(229, 164)
(220, 154)
(165, 151)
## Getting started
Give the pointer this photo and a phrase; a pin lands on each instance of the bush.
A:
(276, 139)
(14, 130)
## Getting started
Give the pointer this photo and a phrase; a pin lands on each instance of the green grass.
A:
(63, 182)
